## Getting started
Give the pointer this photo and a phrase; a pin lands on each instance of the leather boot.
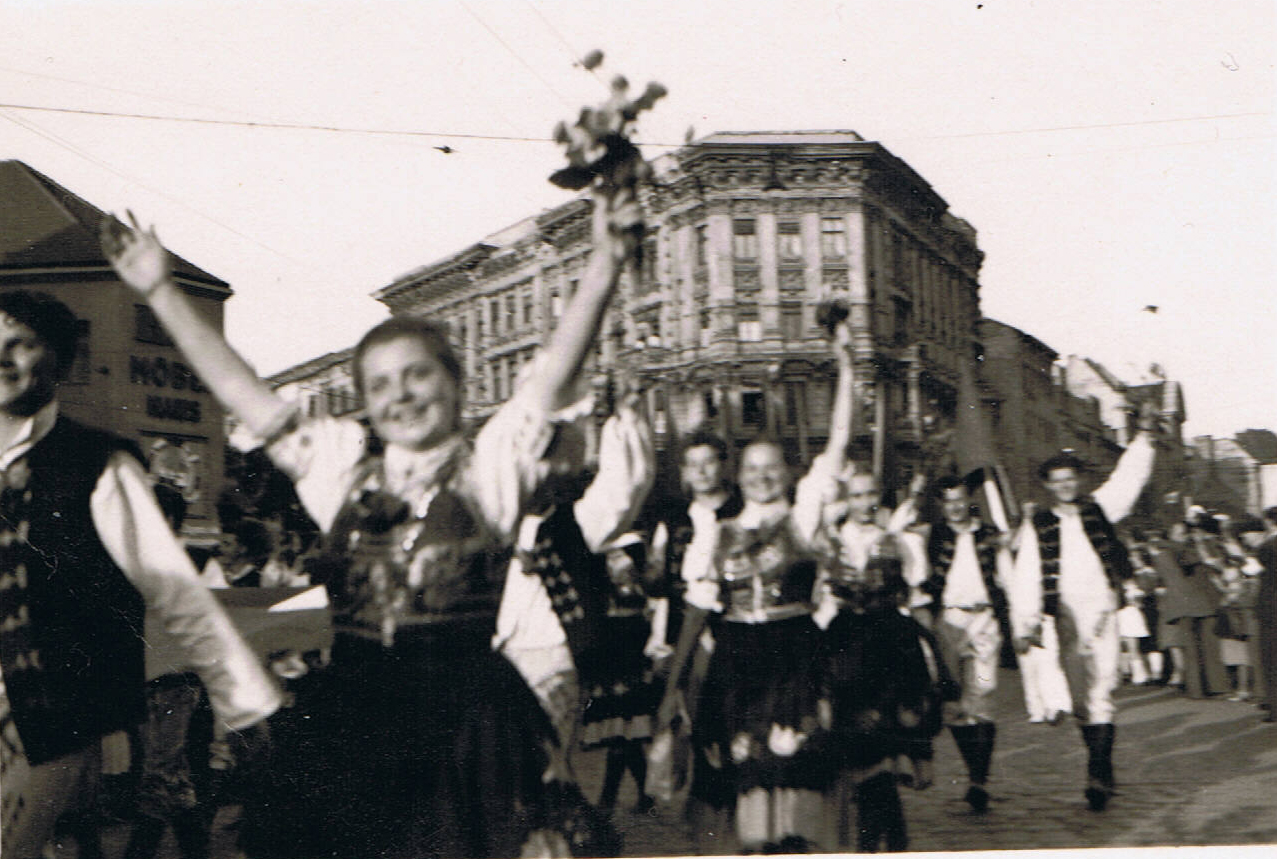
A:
(975, 743)
(1099, 764)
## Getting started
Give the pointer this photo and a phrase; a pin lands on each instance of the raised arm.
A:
(142, 262)
(617, 231)
(844, 398)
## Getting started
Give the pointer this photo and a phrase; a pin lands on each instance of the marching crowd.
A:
(495, 607)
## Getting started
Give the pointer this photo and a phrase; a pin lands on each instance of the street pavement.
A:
(1190, 773)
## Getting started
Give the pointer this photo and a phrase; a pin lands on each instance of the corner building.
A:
(748, 232)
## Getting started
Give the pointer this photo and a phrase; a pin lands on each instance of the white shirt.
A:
(1083, 584)
(964, 584)
(627, 467)
(136, 536)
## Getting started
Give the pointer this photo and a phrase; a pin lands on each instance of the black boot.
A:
(1099, 764)
(975, 743)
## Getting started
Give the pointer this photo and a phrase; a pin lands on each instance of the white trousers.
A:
(1046, 691)
(1089, 652)
(970, 644)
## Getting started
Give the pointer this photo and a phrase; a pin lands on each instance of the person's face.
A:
(862, 498)
(1178, 532)
(763, 476)
(1063, 484)
(411, 400)
(620, 565)
(28, 369)
(702, 470)
(955, 504)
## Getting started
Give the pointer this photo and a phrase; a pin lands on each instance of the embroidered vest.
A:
(577, 583)
(763, 574)
(942, 545)
(71, 623)
(1103, 538)
(392, 570)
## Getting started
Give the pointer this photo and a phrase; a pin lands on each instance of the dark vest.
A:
(401, 579)
(71, 644)
(1103, 537)
(679, 530)
(942, 544)
(576, 580)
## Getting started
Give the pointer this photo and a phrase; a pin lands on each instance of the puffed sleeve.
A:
(133, 531)
(320, 455)
(818, 488)
(627, 467)
(506, 463)
(1024, 592)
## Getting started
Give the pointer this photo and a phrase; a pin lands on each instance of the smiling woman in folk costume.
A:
(421, 740)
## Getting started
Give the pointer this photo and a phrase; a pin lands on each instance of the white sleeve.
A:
(818, 487)
(914, 565)
(1024, 591)
(1122, 489)
(627, 467)
(137, 537)
(320, 455)
(504, 465)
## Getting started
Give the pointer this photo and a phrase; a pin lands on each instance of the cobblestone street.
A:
(1190, 772)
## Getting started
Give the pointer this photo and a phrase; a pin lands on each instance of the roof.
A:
(1259, 443)
(309, 368)
(766, 138)
(45, 226)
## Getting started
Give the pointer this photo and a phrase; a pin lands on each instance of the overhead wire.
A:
(514, 53)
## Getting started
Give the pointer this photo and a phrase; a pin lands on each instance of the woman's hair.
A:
(705, 438)
(432, 335)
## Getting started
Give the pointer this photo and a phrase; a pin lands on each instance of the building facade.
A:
(748, 233)
(128, 376)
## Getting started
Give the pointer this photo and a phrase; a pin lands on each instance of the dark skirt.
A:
(760, 675)
(434, 748)
(622, 702)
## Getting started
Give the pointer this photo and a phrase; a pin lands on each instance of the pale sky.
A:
(1112, 155)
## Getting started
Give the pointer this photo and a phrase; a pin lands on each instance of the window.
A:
(789, 240)
(494, 308)
(702, 245)
(498, 380)
(707, 332)
(556, 304)
(793, 403)
(527, 308)
(711, 407)
(478, 326)
(791, 321)
(511, 322)
(744, 239)
(833, 238)
(753, 408)
(146, 328)
(749, 329)
(80, 372)
(902, 310)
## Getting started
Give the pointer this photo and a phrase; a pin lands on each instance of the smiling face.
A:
(411, 399)
(763, 474)
(1063, 485)
(955, 505)
(28, 369)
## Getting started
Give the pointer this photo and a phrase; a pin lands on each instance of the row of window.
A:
(789, 240)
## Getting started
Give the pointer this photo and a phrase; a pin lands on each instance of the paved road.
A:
(1190, 772)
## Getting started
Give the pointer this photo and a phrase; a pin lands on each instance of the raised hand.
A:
(136, 254)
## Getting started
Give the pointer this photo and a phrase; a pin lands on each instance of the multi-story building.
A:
(748, 233)
(1235, 475)
(1032, 416)
(128, 376)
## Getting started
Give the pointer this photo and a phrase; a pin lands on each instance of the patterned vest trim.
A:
(577, 582)
(393, 572)
(763, 573)
(71, 634)
(1099, 531)
(942, 545)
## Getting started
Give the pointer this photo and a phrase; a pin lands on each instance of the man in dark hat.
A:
(84, 551)
(1070, 566)
(969, 561)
